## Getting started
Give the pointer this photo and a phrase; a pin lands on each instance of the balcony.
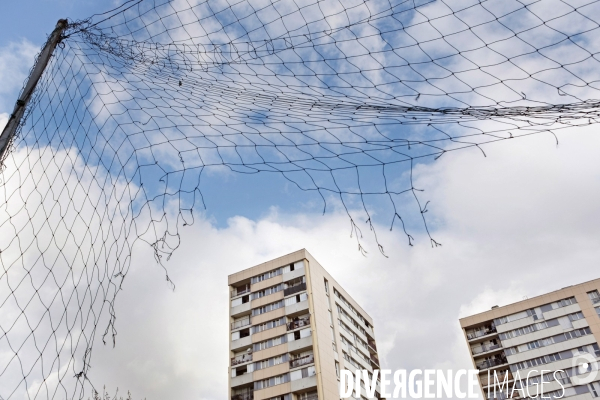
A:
(298, 323)
(362, 345)
(351, 362)
(491, 363)
(241, 343)
(297, 308)
(372, 344)
(300, 361)
(485, 349)
(294, 289)
(240, 291)
(302, 344)
(241, 323)
(480, 333)
(243, 308)
(309, 396)
(304, 384)
(244, 358)
(247, 396)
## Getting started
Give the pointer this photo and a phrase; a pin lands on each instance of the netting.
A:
(340, 98)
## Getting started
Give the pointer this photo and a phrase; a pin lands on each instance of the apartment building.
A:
(552, 332)
(293, 328)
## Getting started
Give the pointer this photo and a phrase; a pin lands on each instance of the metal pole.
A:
(42, 61)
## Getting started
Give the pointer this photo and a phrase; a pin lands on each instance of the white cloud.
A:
(511, 225)
(509, 230)
(508, 226)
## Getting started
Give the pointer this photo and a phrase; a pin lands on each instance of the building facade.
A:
(535, 339)
(293, 328)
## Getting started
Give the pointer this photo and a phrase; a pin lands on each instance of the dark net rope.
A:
(341, 98)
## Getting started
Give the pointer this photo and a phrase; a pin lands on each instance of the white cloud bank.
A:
(519, 223)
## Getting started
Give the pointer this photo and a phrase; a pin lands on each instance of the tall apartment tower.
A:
(293, 328)
(555, 331)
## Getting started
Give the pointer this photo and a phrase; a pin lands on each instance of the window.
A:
(270, 343)
(267, 291)
(578, 332)
(270, 362)
(562, 377)
(533, 345)
(244, 369)
(273, 381)
(239, 322)
(594, 296)
(531, 313)
(337, 369)
(351, 320)
(284, 397)
(537, 361)
(293, 266)
(350, 306)
(326, 286)
(576, 316)
(240, 300)
(598, 311)
(303, 373)
(296, 299)
(268, 325)
(245, 392)
(266, 275)
(567, 302)
(240, 290)
(278, 271)
(267, 308)
(307, 396)
(240, 334)
(530, 328)
(299, 334)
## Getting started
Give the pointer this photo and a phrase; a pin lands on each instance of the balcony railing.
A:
(300, 361)
(360, 343)
(375, 359)
(484, 349)
(247, 396)
(298, 323)
(309, 396)
(480, 333)
(491, 363)
(294, 289)
(240, 291)
(352, 363)
(372, 344)
(239, 324)
(241, 359)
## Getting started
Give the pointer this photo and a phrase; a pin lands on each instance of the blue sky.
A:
(35, 19)
(251, 196)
